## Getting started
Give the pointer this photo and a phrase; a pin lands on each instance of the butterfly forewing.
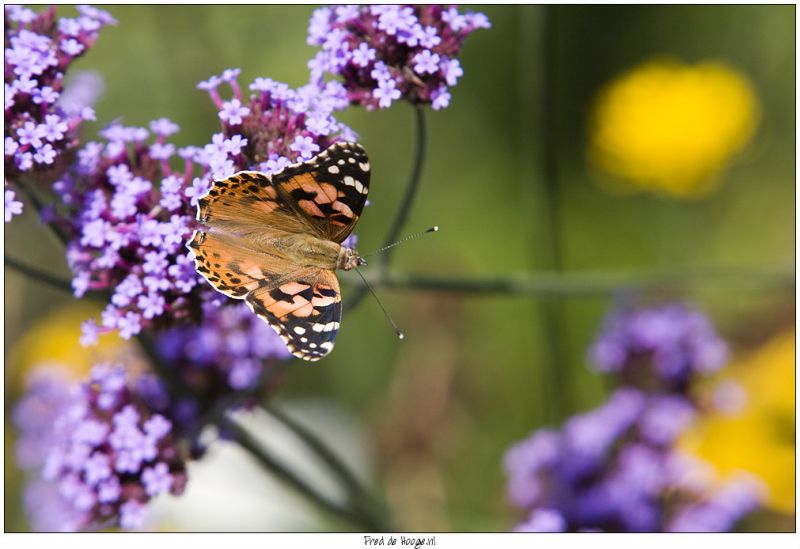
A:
(244, 214)
(329, 190)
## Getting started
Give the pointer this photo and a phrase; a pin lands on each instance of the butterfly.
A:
(275, 242)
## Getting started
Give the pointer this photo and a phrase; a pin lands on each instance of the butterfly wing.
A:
(305, 312)
(329, 191)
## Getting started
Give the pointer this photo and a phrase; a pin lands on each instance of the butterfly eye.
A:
(360, 261)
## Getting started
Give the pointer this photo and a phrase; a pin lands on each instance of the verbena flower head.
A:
(662, 347)
(613, 469)
(616, 468)
(127, 210)
(232, 352)
(271, 128)
(384, 53)
(671, 128)
(39, 49)
(103, 452)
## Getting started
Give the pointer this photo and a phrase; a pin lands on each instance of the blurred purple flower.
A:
(96, 451)
(231, 350)
(666, 345)
(12, 206)
(614, 468)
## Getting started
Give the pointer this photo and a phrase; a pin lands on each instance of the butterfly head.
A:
(349, 259)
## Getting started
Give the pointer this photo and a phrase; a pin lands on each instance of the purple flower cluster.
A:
(384, 53)
(129, 215)
(39, 129)
(274, 127)
(615, 468)
(98, 451)
(660, 347)
(231, 351)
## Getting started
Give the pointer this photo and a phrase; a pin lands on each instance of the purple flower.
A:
(89, 332)
(157, 479)
(440, 98)
(12, 206)
(30, 134)
(163, 127)
(54, 128)
(363, 55)
(132, 515)
(543, 520)
(45, 154)
(151, 305)
(210, 84)
(304, 146)
(426, 62)
(71, 47)
(385, 93)
(129, 325)
(46, 95)
(233, 111)
(97, 468)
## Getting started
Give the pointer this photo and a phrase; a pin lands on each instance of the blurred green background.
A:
(477, 373)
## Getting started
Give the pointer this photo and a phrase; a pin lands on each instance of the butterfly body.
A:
(274, 241)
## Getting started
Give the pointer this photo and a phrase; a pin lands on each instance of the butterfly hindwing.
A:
(329, 190)
(305, 313)
(232, 268)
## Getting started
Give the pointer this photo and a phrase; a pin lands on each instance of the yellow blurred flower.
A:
(671, 128)
(55, 340)
(759, 437)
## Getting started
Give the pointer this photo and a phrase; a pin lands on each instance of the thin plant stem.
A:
(405, 205)
(413, 185)
(38, 205)
(281, 471)
(553, 311)
(358, 495)
(594, 283)
(39, 275)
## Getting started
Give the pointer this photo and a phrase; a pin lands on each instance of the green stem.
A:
(38, 205)
(553, 312)
(289, 477)
(405, 205)
(359, 496)
(593, 283)
(38, 275)
(411, 191)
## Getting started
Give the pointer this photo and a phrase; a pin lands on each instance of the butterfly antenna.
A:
(434, 229)
(396, 329)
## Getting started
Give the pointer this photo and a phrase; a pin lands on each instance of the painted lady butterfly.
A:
(275, 241)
